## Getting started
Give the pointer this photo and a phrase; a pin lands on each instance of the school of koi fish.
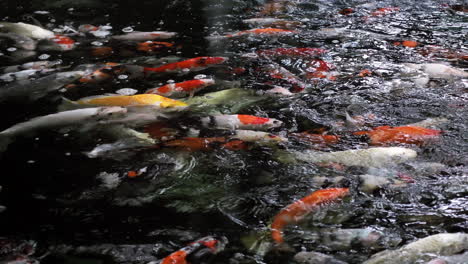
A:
(240, 132)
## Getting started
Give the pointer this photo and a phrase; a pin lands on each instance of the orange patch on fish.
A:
(300, 208)
(150, 46)
(177, 257)
(252, 120)
(365, 73)
(316, 138)
(384, 135)
(160, 131)
(102, 51)
(132, 174)
(187, 64)
(346, 11)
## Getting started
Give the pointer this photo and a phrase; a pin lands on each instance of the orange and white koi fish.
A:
(152, 46)
(300, 208)
(384, 11)
(385, 135)
(261, 32)
(182, 89)
(206, 144)
(258, 137)
(292, 52)
(152, 100)
(233, 122)
(200, 251)
(141, 36)
(194, 64)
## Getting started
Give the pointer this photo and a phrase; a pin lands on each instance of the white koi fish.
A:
(437, 70)
(26, 30)
(142, 36)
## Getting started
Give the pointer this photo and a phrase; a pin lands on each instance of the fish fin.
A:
(350, 122)
(258, 243)
(67, 104)
(5, 140)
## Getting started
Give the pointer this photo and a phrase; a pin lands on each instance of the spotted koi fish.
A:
(300, 208)
(206, 144)
(194, 64)
(261, 31)
(200, 251)
(240, 122)
(181, 89)
(385, 135)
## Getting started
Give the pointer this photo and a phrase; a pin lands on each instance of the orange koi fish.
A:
(406, 43)
(261, 31)
(181, 89)
(194, 64)
(240, 122)
(201, 250)
(384, 11)
(292, 52)
(152, 46)
(300, 208)
(316, 138)
(384, 135)
(206, 144)
(161, 131)
(64, 42)
(346, 11)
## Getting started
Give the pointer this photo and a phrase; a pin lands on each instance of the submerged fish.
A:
(316, 138)
(258, 137)
(20, 41)
(423, 249)
(206, 144)
(34, 65)
(261, 32)
(385, 135)
(300, 208)
(37, 88)
(200, 251)
(292, 52)
(310, 257)
(194, 64)
(371, 157)
(140, 36)
(240, 122)
(58, 42)
(272, 22)
(27, 30)
(181, 89)
(437, 70)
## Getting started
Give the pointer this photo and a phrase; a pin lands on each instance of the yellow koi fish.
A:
(131, 100)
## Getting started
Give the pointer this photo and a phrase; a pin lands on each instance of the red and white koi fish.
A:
(275, 71)
(58, 42)
(181, 89)
(292, 52)
(206, 144)
(141, 36)
(261, 32)
(300, 208)
(385, 135)
(194, 64)
(200, 251)
(233, 122)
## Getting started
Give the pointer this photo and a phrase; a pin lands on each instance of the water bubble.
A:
(170, 81)
(41, 12)
(127, 29)
(68, 154)
(11, 49)
(200, 76)
(96, 43)
(44, 56)
(122, 77)
(31, 161)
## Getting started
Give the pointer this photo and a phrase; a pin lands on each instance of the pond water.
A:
(86, 193)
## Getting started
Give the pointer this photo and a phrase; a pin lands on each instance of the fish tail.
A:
(66, 105)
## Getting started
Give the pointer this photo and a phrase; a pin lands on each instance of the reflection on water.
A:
(341, 79)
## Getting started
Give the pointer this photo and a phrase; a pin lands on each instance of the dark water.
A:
(55, 196)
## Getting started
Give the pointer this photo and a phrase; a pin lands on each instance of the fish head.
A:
(206, 61)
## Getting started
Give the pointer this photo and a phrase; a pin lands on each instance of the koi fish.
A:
(206, 144)
(64, 42)
(102, 51)
(437, 51)
(278, 91)
(277, 7)
(319, 69)
(151, 46)
(423, 249)
(371, 157)
(194, 64)
(38, 88)
(87, 28)
(182, 89)
(384, 11)
(240, 122)
(24, 75)
(316, 138)
(346, 11)
(35, 65)
(292, 52)
(141, 36)
(455, 259)
(161, 131)
(261, 31)
(26, 30)
(384, 135)
(85, 116)
(275, 71)
(200, 251)
(305, 257)
(152, 100)
(20, 41)
(102, 73)
(258, 137)
(407, 43)
(300, 208)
